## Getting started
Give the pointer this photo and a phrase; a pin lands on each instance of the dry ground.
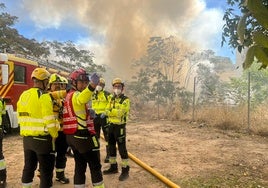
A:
(190, 155)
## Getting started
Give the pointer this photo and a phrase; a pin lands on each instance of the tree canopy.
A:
(65, 54)
(12, 41)
(247, 29)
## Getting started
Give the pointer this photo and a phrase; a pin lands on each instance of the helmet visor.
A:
(83, 77)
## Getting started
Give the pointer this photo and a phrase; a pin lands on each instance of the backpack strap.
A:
(123, 97)
(106, 94)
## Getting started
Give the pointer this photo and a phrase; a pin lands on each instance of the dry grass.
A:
(221, 117)
(259, 121)
(235, 118)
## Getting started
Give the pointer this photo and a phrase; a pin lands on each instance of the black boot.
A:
(112, 170)
(3, 177)
(124, 174)
(106, 160)
(60, 176)
(3, 184)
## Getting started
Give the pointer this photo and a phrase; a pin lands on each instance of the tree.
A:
(249, 30)
(258, 83)
(69, 55)
(12, 41)
(209, 82)
(236, 91)
(140, 87)
(65, 54)
(160, 64)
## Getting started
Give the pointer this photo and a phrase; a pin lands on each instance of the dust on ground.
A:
(189, 155)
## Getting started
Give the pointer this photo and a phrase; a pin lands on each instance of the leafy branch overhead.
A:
(249, 30)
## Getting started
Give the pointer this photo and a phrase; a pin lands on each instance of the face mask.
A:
(98, 88)
(117, 91)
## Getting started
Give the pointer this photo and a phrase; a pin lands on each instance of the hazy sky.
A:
(118, 30)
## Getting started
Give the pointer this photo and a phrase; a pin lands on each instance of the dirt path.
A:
(189, 155)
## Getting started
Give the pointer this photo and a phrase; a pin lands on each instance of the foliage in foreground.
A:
(248, 30)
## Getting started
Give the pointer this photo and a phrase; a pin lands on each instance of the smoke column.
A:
(123, 27)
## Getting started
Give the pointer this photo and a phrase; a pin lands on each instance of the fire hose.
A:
(165, 180)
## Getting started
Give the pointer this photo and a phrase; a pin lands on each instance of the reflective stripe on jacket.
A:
(2, 109)
(2, 164)
(35, 114)
(117, 110)
(77, 101)
(100, 101)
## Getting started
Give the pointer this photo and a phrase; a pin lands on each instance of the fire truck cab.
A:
(16, 78)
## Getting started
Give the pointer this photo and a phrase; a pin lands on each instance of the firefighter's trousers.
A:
(38, 149)
(101, 123)
(86, 152)
(3, 171)
(117, 135)
(61, 148)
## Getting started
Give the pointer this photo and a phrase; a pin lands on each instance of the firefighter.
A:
(39, 129)
(3, 171)
(65, 86)
(64, 83)
(55, 83)
(99, 102)
(117, 111)
(79, 128)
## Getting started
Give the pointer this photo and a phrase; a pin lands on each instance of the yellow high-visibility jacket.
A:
(117, 109)
(35, 114)
(58, 100)
(79, 106)
(79, 100)
(100, 100)
(2, 109)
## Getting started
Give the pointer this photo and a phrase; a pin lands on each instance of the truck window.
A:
(19, 74)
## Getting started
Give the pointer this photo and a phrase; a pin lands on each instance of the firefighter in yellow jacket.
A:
(3, 171)
(117, 111)
(79, 129)
(99, 103)
(55, 82)
(39, 129)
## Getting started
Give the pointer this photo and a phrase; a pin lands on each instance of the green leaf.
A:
(249, 57)
(261, 54)
(259, 11)
(260, 39)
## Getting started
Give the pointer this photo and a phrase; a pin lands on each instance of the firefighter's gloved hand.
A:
(68, 87)
(92, 113)
(95, 79)
(102, 116)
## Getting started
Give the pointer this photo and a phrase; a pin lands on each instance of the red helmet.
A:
(79, 74)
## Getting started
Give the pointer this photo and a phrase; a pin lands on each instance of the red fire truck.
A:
(15, 77)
